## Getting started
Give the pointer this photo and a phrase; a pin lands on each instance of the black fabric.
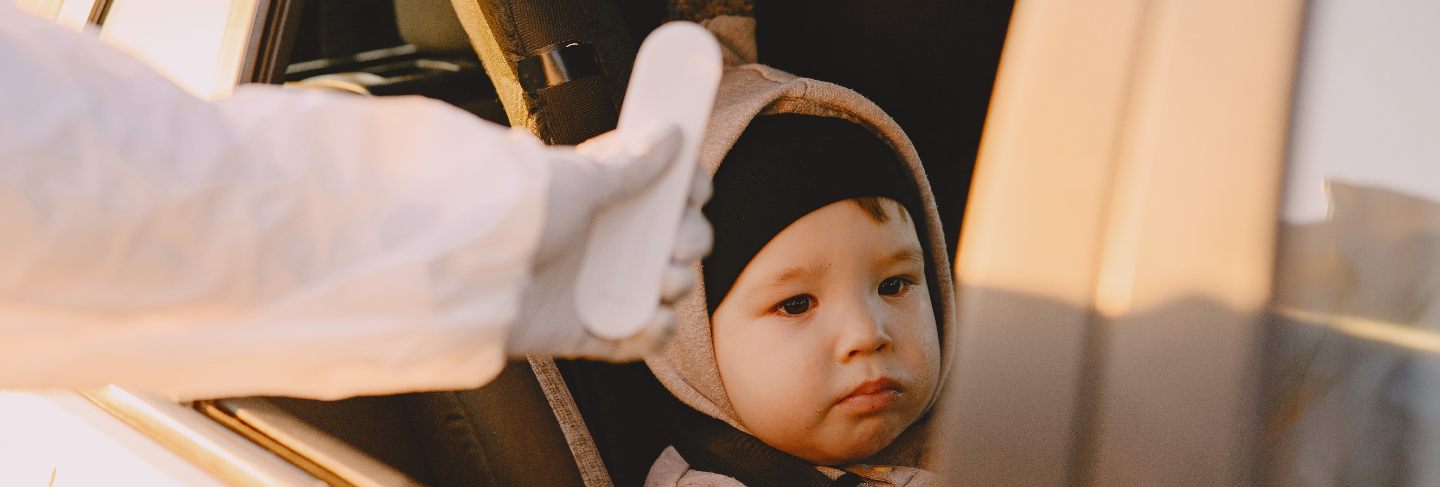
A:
(641, 16)
(498, 435)
(711, 445)
(848, 480)
(619, 404)
(633, 418)
(501, 434)
(335, 28)
(782, 168)
(572, 112)
(379, 426)
(930, 64)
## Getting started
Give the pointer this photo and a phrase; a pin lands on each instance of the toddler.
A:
(816, 346)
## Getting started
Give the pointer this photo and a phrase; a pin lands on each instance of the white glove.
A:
(580, 185)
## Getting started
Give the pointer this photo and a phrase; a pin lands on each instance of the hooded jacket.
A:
(687, 366)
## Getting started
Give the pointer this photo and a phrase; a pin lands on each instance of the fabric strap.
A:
(848, 480)
(711, 445)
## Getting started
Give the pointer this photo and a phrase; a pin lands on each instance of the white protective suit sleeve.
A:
(275, 242)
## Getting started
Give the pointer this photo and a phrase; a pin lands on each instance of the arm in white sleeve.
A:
(276, 242)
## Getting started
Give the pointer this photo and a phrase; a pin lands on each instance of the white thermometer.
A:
(677, 72)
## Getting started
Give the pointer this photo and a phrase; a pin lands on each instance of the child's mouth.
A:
(872, 396)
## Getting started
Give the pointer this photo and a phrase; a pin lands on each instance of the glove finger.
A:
(677, 282)
(657, 331)
(695, 237)
(702, 186)
(603, 145)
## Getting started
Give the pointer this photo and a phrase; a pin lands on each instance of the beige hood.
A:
(687, 365)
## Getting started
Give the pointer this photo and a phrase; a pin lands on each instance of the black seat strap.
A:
(711, 445)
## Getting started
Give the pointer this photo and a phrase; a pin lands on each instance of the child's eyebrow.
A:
(910, 254)
(789, 275)
(796, 273)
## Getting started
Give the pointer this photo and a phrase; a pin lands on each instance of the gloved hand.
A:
(583, 181)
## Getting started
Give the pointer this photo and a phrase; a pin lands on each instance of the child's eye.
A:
(796, 305)
(895, 286)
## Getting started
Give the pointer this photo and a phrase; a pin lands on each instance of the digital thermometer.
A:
(676, 75)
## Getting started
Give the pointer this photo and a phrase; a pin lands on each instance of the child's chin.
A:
(864, 444)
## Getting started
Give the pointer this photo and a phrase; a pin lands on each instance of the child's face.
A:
(827, 343)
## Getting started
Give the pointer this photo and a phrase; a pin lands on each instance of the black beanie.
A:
(782, 168)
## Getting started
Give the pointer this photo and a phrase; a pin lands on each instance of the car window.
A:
(203, 54)
(61, 438)
(1355, 359)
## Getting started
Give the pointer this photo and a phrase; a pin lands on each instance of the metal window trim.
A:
(226, 455)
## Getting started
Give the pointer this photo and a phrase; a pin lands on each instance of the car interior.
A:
(498, 60)
(1126, 124)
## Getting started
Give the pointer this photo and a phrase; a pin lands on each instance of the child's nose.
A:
(863, 335)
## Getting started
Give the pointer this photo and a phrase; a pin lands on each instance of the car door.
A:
(1201, 249)
(1115, 264)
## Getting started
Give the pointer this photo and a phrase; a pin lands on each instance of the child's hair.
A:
(875, 207)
